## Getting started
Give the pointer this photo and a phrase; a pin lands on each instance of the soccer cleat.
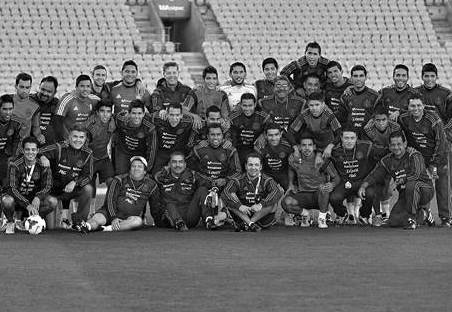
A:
(210, 223)
(377, 220)
(253, 227)
(429, 220)
(65, 224)
(20, 225)
(321, 223)
(181, 227)
(411, 225)
(340, 220)
(83, 227)
(239, 226)
(10, 228)
(289, 219)
(304, 221)
(445, 222)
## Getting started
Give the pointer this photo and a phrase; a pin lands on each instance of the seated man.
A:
(182, 195)
(252, 197)
(314, 185)
(406, 166)
(126, 200)
(29, 186)
(72, 168)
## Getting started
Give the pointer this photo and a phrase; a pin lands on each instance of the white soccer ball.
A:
(35, 225)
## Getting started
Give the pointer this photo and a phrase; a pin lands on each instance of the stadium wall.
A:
(192, 31)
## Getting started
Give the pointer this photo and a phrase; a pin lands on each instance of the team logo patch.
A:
(79, 163)
(140, 135)
(10, 132)
(222, 157)
(282, 155)
(359, 155)
(206, 156)
(180, 131)
(256, 126)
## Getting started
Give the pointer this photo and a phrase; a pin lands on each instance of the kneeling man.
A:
(252, 197)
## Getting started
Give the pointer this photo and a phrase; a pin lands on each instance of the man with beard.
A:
(397, 96)
(357, 106)
(335, 86)
(127, 197)
(252, 197)
(72, 169)
(182, 195)
(406, 166)
(213, 116)
(129, 89)
(266, 87)
(284, 106)
(74, 108)
(237, 86)
(44, 131)
(311, 63)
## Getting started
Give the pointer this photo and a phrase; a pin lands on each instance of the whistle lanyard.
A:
(29, 173)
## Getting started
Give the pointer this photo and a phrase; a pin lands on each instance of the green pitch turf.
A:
(284, 269)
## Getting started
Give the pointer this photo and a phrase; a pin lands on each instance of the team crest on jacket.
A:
(10, 132)
(359, 155)
(140, 135)
(222, 157)
(79, 163)
(282, 155)
(256, 126)
(438, 101)
(180, 131)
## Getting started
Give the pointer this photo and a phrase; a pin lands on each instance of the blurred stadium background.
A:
(67, 37)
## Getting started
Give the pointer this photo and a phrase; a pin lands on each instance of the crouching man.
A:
(126, 200)
(27, 191)
(406, 166)
(182, 196)
(252, 197)
(314, 185)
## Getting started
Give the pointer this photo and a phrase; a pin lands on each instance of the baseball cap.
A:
(140, 158)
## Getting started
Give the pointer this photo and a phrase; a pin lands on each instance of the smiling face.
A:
(174, 116)
(177, 164)
(348, 139)
(211, 81)
(215, 137)
(84, 88)
(137, 170)
(400, 78)
(129, 75)
(248, 106)
(270, 71)
(381, 121)
(171, 75)
(30, 151)
(46, 91)
(359, 79)
(282, 88)
(238, 74)
(397, 146)
(136, 116)
(316, 107)
(416, 108)
(429, 79)
(273, 137)
(6, 111)
(334, 74)
(253, 167)
(307, 147)
(77, 139)
(311, 85)
(99, 77)
(312, 56)
(104, 113)
(23, 89)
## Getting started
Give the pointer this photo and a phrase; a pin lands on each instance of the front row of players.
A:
(209, 186)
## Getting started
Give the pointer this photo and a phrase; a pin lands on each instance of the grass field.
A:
(283, 269)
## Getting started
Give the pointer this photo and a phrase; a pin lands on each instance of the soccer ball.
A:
(35, 225)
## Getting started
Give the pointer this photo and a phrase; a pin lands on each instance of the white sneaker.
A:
(66, 224)
(321, 223)
(10, 228)
(288, 219)
(304, 222)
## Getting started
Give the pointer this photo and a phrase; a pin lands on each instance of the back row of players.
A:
(310, 137)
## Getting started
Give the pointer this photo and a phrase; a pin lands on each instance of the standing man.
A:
(407, 167)
(24, 107)
(127, 197)
(314, 185)
(283, 106)
(252, 197)
(237, 86)
(247, 124)
(396, 97)
(358, 105)
(74, 108)
(425, 132)
(311, 63)
(335, 86)
(182, 195)
(266, 87)
(44, 129)
(72, 168)
(28, 187)
(10, 127)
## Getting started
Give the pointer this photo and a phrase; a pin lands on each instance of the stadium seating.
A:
(66, 38)
(378, 34)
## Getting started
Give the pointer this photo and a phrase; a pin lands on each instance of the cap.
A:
(140, 158)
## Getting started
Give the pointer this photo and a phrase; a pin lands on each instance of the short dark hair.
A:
(306, 135)
(235, 64)
(170, 64)
(6, 98)
(248, 96)
(401, 66)
(175, 106)
(313, 45)
(332, 64)
(269, 60)
(381, 109)
(50, 79)
(253, 155)
(129, 63)
(23, 77)
(429, 67)
(136, 104)
(97, 67)
(348, 128)
(311, 75)
(358, 68)
(209, 70)
(213, 109)
(81, 78)
(214, 125)
(177, 153)
(272, 126)
(397, 134)
(30, 139)
(78, 127)
(105, 102)
(316, 96)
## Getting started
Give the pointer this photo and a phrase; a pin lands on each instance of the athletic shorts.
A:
(104, 168)
(306, 200)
